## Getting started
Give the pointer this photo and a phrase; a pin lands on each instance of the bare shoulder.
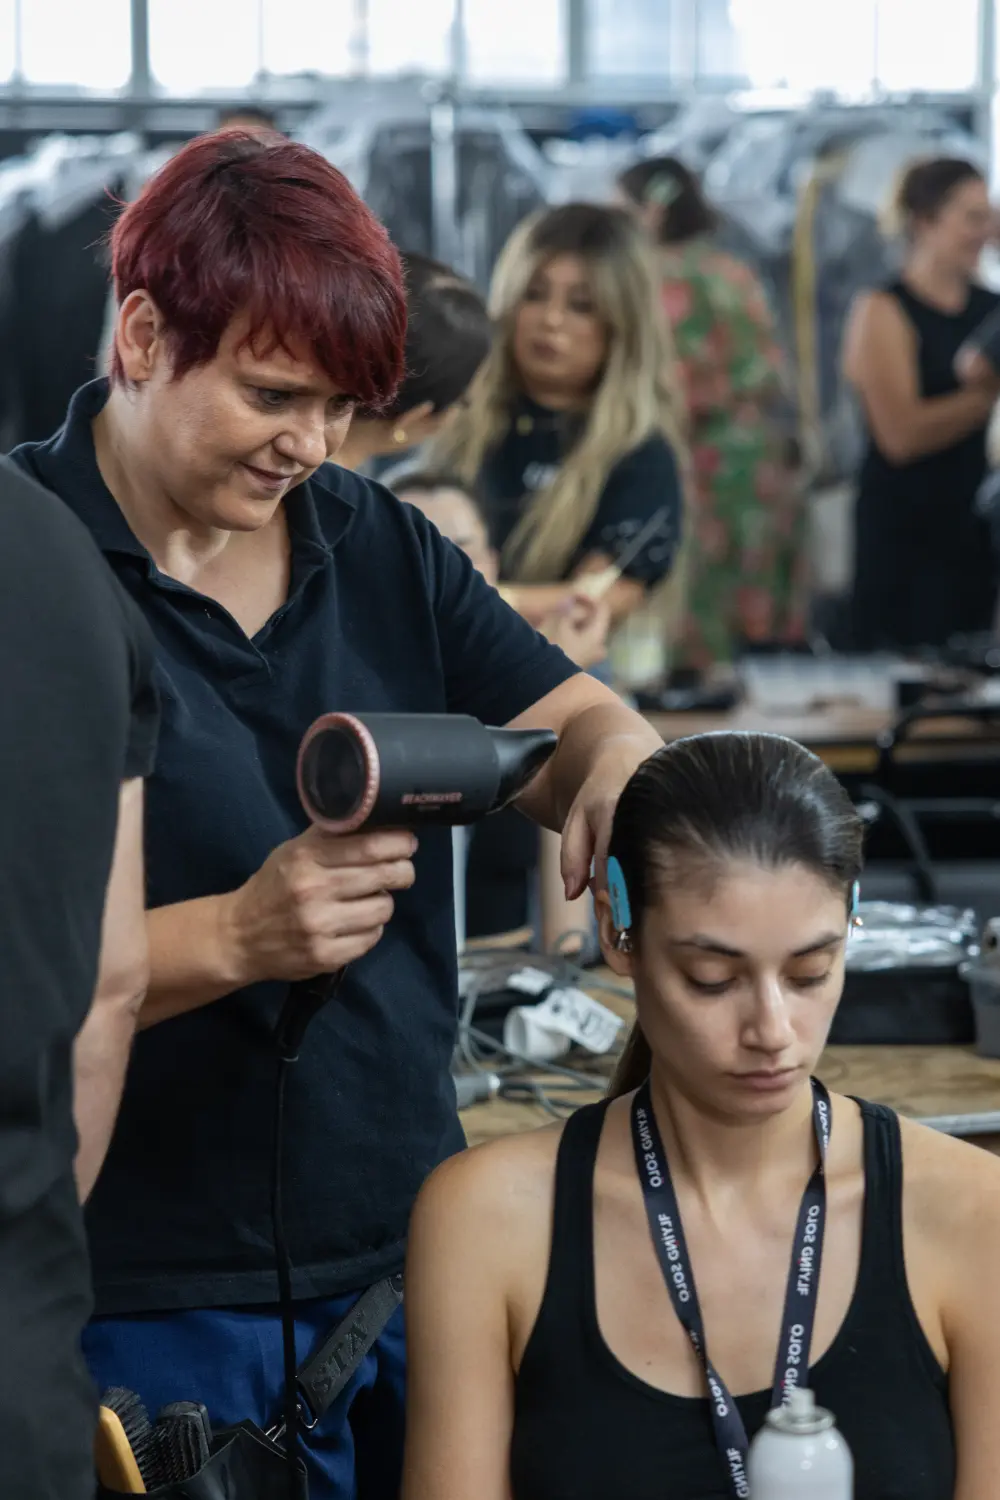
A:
(876, 310)
(502, 1188)
(876, 330)
(950, 1185)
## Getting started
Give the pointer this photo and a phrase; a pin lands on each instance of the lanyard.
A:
(792, 1363)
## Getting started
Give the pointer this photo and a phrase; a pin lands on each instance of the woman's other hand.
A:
(580, 628)
(317, 903)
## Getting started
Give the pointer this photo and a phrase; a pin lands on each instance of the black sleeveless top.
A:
(925, 567)
(585, 1428)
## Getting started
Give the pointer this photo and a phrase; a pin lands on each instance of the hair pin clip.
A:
(855, 915)
(621, 908)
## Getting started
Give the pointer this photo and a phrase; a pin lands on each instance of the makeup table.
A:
(845, 736)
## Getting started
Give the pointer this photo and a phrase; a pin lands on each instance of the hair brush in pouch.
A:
(123, 1445)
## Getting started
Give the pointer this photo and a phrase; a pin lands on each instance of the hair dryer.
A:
(404, 770)
(359, 771)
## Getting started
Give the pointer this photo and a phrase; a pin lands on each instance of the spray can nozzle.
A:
(800, 1414)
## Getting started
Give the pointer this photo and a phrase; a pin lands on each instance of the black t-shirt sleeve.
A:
(144, 722)
(495, 664)
(643, 482)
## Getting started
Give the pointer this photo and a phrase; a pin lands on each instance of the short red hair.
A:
(266, 229)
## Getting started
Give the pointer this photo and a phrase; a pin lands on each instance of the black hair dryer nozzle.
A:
(406, 770)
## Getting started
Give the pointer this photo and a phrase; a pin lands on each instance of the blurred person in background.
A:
(578, 627)
(570, 436)
(254, 119)
(260, 301)
(925, 568)
(571, 432)
(746, 579)
(447, 339)
(77, 737)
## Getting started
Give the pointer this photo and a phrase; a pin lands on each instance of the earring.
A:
(623, 942)
(399, 436)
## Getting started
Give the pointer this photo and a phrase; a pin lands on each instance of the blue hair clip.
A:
(855, 899)
(621, 910)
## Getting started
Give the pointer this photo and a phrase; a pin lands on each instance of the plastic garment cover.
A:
(897, 936)
(386, 154)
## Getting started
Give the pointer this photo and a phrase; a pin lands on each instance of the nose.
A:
(769, 1025)
(552, 313)
(303, 441)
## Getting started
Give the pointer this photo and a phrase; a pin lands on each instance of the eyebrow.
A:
(722, 950)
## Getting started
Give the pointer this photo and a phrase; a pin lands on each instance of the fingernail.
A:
(568, 887)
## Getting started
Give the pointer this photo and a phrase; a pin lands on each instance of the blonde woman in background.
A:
(571, 428)
(570, 434)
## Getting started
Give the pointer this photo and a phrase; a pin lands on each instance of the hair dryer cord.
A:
(304, 1000)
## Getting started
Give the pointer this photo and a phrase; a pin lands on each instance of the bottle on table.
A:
(799, 1455)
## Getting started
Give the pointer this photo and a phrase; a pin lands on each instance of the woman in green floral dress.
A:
(747, 562)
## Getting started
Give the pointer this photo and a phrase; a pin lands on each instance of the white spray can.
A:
(799, 1455)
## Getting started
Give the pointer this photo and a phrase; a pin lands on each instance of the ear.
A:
(618, 962)
(139, 337)
(417, 419)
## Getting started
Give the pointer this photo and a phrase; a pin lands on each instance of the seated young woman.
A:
(554, 1337)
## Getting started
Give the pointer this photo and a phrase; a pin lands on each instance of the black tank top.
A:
(925, 568)
(585, 1428)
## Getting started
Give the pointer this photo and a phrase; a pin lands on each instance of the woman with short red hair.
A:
(260, 300)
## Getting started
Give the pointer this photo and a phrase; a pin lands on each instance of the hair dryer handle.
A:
(305, 997)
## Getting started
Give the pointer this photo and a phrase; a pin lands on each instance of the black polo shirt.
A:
(382, 614)
(77, 718)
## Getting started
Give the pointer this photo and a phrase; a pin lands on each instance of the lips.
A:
(766, 1080)
(268, 477)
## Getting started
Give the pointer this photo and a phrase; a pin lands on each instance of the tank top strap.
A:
(882, 1258)
(882, 1282)
(571, 1260)
(573, 1210)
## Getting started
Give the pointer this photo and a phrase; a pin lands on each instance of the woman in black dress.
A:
(925, 569)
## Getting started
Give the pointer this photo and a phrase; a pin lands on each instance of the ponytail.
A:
(634, 1065)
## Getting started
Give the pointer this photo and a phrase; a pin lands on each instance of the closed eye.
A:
(811, 981)
(272, 400)
(720, 986)
(703, 987)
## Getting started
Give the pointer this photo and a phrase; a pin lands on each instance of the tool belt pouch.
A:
(244, 1465)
